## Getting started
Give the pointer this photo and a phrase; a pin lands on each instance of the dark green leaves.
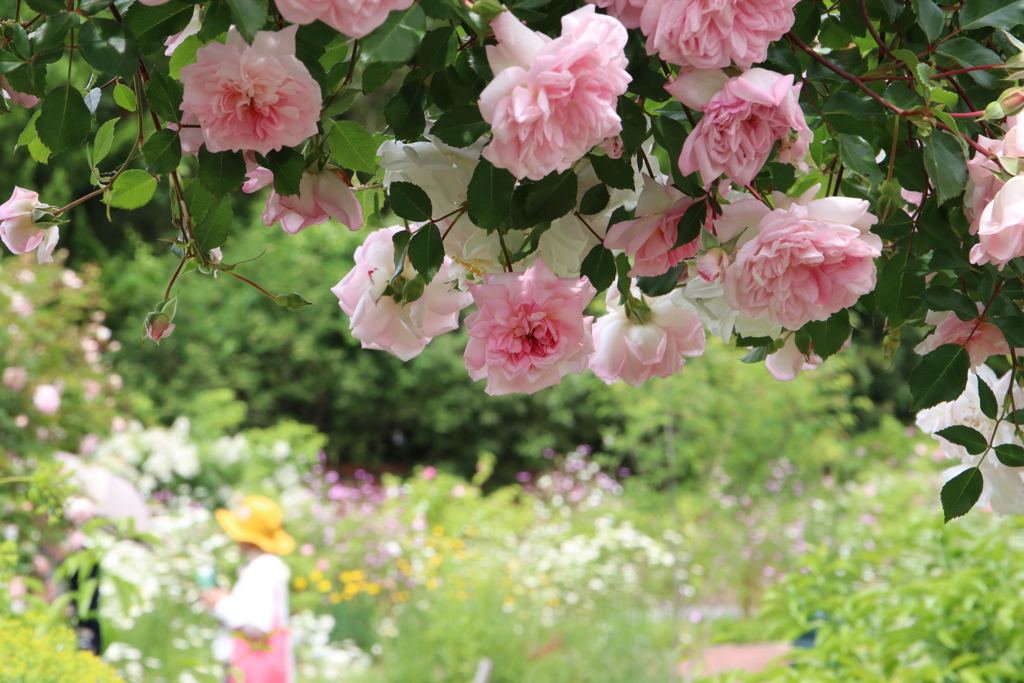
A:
(352, 146)
(108, 47)
(460, 126)
(212, 230)
(930, 18)
(599, 267)
(438, 49)
(661, 284)
(595, 200)
(690, 223)
(490, 196)
(898, 292)
(410, 202)
(397, 39)
(943, 298)
(807, 21)
(165, 94)
(64, 120)
(287, 165)
(551, 197)
(1010, 454)
(404, 111)
(857, 154)
(152, 25)
(221, 173)
(829, 335)
(961, 493)
(946, 164)
(617, 173)
(989, 405)
(940, 376)
(971, 439)
(249, 16)
(426, 250)
(634, 126)
(971, 53)
(162, 151)
(1012, 329)
(1004, 14)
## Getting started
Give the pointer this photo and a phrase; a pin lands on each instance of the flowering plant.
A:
(516, 141)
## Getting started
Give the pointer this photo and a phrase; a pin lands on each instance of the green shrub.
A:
(30, 656)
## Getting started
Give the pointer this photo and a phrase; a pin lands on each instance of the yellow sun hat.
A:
(258, 521)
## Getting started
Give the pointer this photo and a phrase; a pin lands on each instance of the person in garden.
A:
(255, 645)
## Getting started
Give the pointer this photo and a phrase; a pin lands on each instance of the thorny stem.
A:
(882, 47)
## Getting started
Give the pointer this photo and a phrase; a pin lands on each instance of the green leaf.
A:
(377, 74)
(807, 22)
(221, 173)
(595, 200)
(1010, 454)
(132, 189)
(30, 138)
(460, 126)
(1012, 329)
(617, 173)
(756, 355)
(8, 62)
(989, 405)
(490, 196)
(945, 298)
(152, 25)
(438, 49)
(47, 6)
(426, 250)
(404, 111)
(108, 47)
(400, 242)
(104, 139)
(961, 493)
(198, 200)
(970, 53)
(968, 437)
(410, 202)
(287, 165)
(599, 267)
(397, 39)
(212, 231)
(930, 18)
(858, 155)
(165, 95)
(634, 125)
(162, 151)
(249, 16)
(551, 197)
(898, 292)
(1004, 14)
(52, 35)
(690, 223)
(940, 376)
(830, 335)
(661, 284)
(125, 98)
(352, 146)
(216, 22)
(184, 54)
(64, 120)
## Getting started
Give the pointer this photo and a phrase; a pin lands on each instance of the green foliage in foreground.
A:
(30, 656)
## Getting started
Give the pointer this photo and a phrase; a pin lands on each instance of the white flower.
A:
(706, 299)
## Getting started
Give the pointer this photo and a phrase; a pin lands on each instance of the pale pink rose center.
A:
(524, 337)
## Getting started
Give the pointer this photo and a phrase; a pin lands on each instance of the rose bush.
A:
(786, 172)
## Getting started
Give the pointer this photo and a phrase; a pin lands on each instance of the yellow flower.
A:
(351, 589)
(335, 598)
(433, 583)
(438, 531)
(553, 601)
(508, 602)
(316, 575)
(372, 588)
(436, 560)
(458, 544)
(471, 531)
(400, 596)
(353, 576)
(323, 586)
(300, 583)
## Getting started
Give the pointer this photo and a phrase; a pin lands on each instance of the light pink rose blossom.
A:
(529, 331)
(190, 29)
(80, 510)
(47, 399)
(809, 258)
(428, 473)
(651, 237)
(159, 327)
(551, 101)
(632, 352)
(712, 264)
(16, 97)
(321, 196)
(380, 323)
(982, 181)
(258, 97)
(741, 124)
(354, 18)
(1001, 226)
(190, 134)
(786, 364)
(985, 338)
(710, 34)
(626, 11)
(15, 377)
(20, 232)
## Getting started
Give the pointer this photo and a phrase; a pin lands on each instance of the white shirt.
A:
(259, 595)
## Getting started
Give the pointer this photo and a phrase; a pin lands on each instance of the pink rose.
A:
(807, 261)
(986, 340)
(190, 29)
(741, 125)
(47, 399)
(428, 473)
(529, 331)
(321, 196)
(15, 96)
(190, 134)
(634, 352)
(551, 101)
(712, 264)
(380, 323)
(80, 510)
(258, 97)
(355, 18)
(983, 183)
(709, 34)
(786, 363)
(20, 232)
(1001, 226)
(651, 237)
(159, 327)
(15, 377)
(626, 11)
